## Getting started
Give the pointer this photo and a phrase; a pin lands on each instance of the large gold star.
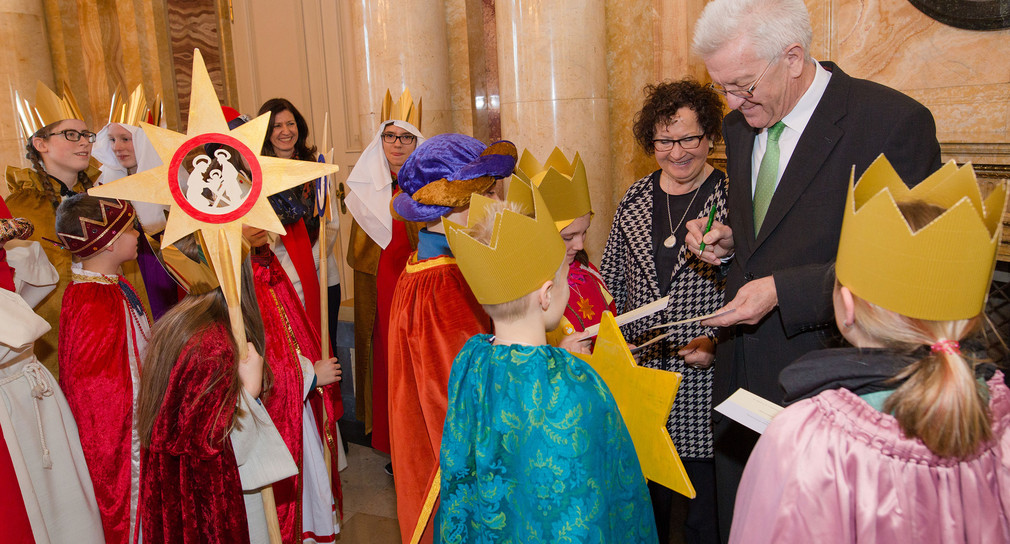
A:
(645, 397)
(222, 232)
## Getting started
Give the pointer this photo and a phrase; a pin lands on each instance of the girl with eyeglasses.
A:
(377, 251)
(60, 155)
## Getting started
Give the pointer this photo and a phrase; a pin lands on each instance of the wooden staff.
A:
(233, 296)
(323, 211)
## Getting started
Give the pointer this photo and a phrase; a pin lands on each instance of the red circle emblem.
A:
(232, 212)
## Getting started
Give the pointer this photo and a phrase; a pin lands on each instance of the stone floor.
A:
(369, 499)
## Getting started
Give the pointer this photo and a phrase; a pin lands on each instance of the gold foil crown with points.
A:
(133, 110)
(47, 109)
(561, 182)
(403, 109)
(522, 253)
(940, 272)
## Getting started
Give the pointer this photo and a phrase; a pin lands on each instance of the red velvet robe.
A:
(190, 484)
(288, 333)
(95, 343)
(392, 261)
(433, 314)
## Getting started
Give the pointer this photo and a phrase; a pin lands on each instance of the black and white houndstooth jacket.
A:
(629, 270)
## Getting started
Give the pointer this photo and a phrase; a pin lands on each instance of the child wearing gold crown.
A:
(534, 446)
(565, 188)
(903, 437)
(103, 332)
(433, 311)
(58, 145)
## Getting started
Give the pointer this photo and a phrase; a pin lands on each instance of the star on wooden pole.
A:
(220, 216)
(215, 181)
(645, 397)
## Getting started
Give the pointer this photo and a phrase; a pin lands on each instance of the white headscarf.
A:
(152, 216)
(370, 187)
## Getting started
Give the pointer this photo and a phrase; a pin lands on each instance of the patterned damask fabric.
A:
(534, 450)
(629, 270)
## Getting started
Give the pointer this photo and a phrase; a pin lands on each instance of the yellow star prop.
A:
(645, 397)
(222, 233)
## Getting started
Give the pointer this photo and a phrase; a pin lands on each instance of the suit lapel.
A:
(817, 141)
(739, 148)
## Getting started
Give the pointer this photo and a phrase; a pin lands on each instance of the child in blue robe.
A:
(534, 448)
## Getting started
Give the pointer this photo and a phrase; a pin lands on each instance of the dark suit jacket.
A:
(854, 122)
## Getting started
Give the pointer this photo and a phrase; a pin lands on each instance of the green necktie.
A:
(767, 174)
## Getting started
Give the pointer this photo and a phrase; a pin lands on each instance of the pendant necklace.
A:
(671, 240)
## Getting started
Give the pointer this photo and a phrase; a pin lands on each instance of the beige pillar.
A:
(24, 60)
(552, 71)
(402, 44)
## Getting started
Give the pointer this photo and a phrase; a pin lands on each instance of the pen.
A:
(708, 227)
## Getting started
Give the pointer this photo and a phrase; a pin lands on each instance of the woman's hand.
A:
(327, 371)
(250, 371)
(577, 342)
(718, 240)
(698, 353)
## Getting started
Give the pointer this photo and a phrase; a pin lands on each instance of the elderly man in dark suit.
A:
(798, 129)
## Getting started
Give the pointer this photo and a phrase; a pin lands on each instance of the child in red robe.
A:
(103, 331)
(433, 311)
(209, 446)
(304, 402)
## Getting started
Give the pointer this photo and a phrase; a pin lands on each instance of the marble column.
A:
(402, 44)
(552, 72)
(25, 60)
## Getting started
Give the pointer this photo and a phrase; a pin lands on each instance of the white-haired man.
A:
(797, 130)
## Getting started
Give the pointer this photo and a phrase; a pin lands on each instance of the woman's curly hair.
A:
(664, 99)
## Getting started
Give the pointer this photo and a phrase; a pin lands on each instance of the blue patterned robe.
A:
(534, 450)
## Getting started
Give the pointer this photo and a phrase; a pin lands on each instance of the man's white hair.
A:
(769, 26)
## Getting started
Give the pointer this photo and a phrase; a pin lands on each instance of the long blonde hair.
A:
(180, 323)
(939, 401)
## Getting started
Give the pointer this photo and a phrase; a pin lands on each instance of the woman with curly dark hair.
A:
(646, 258)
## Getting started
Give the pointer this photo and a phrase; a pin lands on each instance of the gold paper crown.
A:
(134, 110)
(940, 272)
(563, 184)
(402, 110)
(48, 109)
(523, 251)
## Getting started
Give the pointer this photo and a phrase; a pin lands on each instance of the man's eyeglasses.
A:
(405, 138)
(742, 93)
(690, 142)
(75, 135)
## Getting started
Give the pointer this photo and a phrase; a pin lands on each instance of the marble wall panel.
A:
(200, 24)
(24, 60)
(403, 44)
(552, 69)
(961, 75)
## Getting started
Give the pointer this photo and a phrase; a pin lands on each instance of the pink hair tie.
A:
(946, 346)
